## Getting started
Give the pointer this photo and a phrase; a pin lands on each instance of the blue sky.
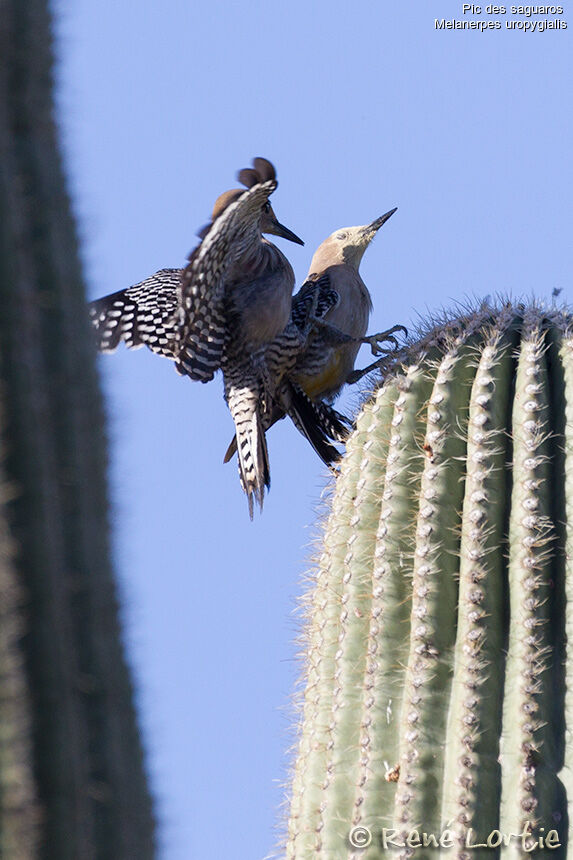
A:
(362, 107)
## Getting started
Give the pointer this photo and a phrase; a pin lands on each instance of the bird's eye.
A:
(267, 207)
(342, 236)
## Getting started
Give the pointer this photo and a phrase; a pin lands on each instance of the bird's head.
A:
(347, 245)
(223, 200)
(271, 224)
(261, 171)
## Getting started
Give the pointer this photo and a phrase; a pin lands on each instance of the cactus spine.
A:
(438, 674)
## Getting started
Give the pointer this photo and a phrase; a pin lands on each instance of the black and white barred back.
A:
(141, 315)
(179, 313)
(201, 315)
(314, 299)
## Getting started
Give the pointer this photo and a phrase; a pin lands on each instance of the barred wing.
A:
(201, 317)
(316, 297)
(142, 315)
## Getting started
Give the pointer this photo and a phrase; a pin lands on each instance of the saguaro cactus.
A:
(438, 710)
(72, 782)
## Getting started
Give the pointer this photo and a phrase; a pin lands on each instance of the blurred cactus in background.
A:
(72, 782)
(438, 672)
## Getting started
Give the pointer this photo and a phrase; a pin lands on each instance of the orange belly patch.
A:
(329, 377)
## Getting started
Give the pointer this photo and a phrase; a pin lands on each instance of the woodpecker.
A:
(150, 314)
(234, 296)
(236, 292)
(335, 299)
(343, 304)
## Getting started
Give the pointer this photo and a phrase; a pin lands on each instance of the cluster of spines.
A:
(433, 592)
(469, 783)
(530, 792)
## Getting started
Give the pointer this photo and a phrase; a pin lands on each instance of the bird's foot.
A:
(384, 337)
(395, 351)
(357, 375)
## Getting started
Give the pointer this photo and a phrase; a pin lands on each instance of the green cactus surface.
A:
(437, 707)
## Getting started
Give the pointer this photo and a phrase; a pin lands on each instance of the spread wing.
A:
(142, 315)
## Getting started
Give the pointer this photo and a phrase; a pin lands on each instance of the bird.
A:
(148, 313)
(343, 307)
(187, 315)
(233, 296)
(144, 315)
(334, 304)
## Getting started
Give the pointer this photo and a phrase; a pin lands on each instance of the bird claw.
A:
(353, 377)
(374, 341)
(384, 336)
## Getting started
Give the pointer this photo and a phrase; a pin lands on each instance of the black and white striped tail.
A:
(318, 422)
(333, 424)
(253, 458)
